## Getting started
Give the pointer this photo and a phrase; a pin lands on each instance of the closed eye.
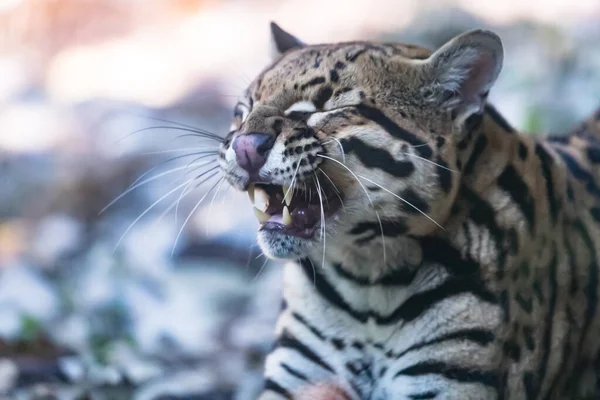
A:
(300, 115)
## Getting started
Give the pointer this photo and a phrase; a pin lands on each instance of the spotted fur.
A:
(464, 264)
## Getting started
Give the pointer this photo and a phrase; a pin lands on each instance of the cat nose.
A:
(252, 149)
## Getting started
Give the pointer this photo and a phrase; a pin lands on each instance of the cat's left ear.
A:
(460, 74)
(281, 41)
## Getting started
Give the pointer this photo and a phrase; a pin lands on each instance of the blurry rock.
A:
(9, 373)
(184, 385)
(137, 369)
(26, 290)
(73, 368)
(56, 236)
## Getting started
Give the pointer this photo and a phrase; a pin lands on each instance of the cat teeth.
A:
(287, 194)
(261, 216)
(287, 218)
(261, 199)
(251, 192)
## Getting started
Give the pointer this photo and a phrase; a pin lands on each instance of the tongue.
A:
(303, 217)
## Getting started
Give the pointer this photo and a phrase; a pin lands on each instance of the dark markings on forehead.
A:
(334, 76)
(393, 129)
(322, 96)
(373, 157)
(315, 81)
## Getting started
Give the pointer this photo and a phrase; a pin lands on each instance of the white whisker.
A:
(323, 229)
(131, 188)
(429, 161)
(193, 210)
(147, 211)
(368, 197)
(340, 145)
(405, 201)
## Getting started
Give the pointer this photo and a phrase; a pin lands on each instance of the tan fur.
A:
(525, 211)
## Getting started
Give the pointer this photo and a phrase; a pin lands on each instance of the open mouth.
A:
(297, 212)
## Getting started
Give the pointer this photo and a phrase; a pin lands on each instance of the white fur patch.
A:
(301, 106)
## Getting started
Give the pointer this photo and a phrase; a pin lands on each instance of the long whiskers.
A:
(323, 228)
(368, 197)
(147, 210)
(195, 208)
(403, 200)
(196, 132)
(145, 181)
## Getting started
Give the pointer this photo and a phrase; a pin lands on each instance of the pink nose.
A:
(252, 150)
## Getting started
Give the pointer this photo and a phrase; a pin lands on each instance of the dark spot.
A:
(333, 76)
(277, 126)
(440, 141)
(414, 203)
(323, 95)
(339, 65)
(315, 81)
(593, 153)
(512, 350)
(523, 151)
(338, 343)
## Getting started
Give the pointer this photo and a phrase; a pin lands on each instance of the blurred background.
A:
(158, 297)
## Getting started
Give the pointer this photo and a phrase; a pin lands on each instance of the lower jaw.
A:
(277, 244)
(289, 230)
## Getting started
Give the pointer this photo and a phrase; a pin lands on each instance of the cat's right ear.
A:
(282, 42)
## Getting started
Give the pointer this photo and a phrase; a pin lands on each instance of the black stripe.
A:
(310, 327)
(322, 96)
(400, 276)
(390, 228)
(436, 250)
(574, 284)
(374, 157)
(452, 372)
(491, 112)
(294, 372)
(325, 289)
(482, 214)
(579, 173)
(393, 129)
(417, 203)
(530, 392)
(273, 386)
(423, 396)
(526, 304)
(512, 183)
(480, 336)
(546, 162)
(591, 289)
(419, 303)
(315, 81)
(548, 326)
(595, 211)
(288, 341)
(444, 175)
(478, 148)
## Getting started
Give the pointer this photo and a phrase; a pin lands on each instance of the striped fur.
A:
(485, 286)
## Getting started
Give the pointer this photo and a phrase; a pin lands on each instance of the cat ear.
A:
(282, 41)
(461, 73)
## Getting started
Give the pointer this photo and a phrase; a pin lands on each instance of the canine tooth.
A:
(261, 199)
(261, 215)
(251, 192)
(287, 193)
(287, 218)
